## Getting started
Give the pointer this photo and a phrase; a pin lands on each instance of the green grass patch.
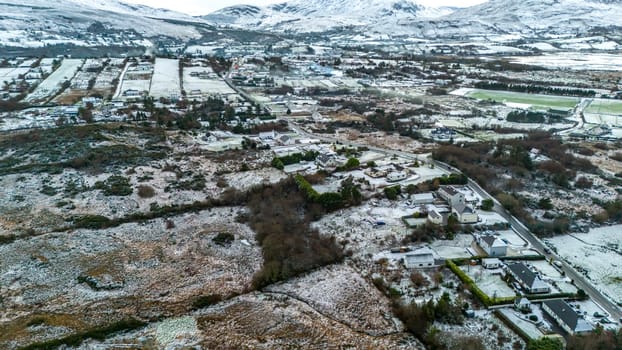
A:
(539, 102)
(612, 107)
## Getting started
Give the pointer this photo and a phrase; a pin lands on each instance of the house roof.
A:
(434, 214)
(568, 315)
(450, 190)
(422, 196)
(420, 255)
(493, 241)
(528, 277)
(462, 208)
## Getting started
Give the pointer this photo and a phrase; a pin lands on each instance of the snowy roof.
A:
(423, 196)
(493, 241)
(568, 315)
(488, 261)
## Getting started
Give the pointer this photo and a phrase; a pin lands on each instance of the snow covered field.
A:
(139, 85)
(574, 60)
(8, 74)
(213, 85)
(490, 283)
(52, 84)
(598, 252)
(602, 111)
(165, 81)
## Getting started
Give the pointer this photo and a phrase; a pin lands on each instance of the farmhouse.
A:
(528, 279)
(492, 245)
(566, 316)
(423, 257)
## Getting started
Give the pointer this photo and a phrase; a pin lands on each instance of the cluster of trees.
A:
(534, 89)
(429, 232)
(600, 339)
(281, 162)
(289, 245)
(526, 117)
(418, 319)
(382, 121)
(349, 194)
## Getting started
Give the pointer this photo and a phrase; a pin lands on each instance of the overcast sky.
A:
(202, 7)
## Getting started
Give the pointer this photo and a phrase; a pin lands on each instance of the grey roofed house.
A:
(528, 279)
(566, 316)
(492, 245)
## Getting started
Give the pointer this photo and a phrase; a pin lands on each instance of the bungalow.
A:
(528, 279)
(492, 245)
(566, 316)
(423, 257)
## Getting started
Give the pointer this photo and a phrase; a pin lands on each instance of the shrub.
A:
(223, 238)
(206, 300)
(115, 185)
(418, 279)
(91, 222)
(487, 204)
(545, 344)
(145, 191)
(48, 190)
(352, 163)
(392, 192)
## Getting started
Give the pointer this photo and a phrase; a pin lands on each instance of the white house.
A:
(397, 176)
(451, 195)
(566, 316)
(423, 257)
(492, 245)
(464, 213)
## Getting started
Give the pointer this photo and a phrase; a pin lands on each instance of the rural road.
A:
(615, 314)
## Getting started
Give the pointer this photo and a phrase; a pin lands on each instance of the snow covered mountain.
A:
(545, 18)
(21, 20)
(325, 15)
(525, 18)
